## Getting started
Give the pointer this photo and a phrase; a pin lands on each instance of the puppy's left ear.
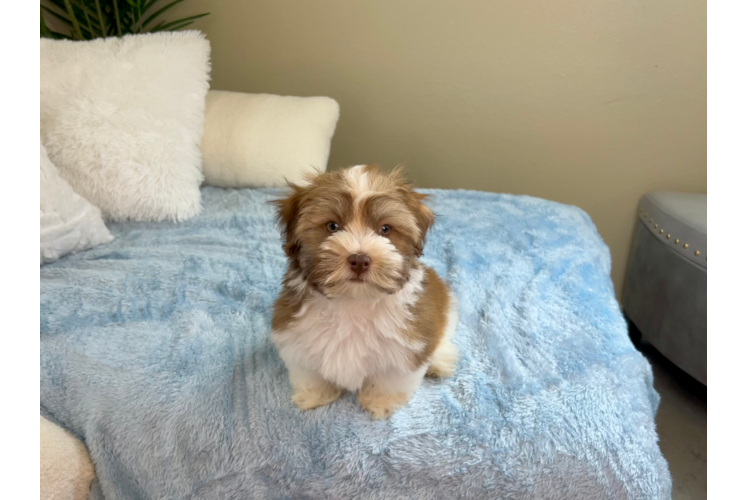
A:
(424, 217)
(287, 210)
(415, 200)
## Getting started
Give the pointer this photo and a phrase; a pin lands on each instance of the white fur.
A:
(347, 341)
(67, 222)
(257, 140)
(397, 381)
(122, 119)
(445, 355)
(451, 319)
(358, 180)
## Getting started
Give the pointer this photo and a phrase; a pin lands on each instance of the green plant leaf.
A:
(88, 22)
(58, 16)
(116, 16)
(78, 7)
(88, 19)
(71, 15)
(102, 23)
(136, 12)
(83, 8)
(182, 26)
(86, 11)
(61, 36)
(159, 12)
(65, 20)
(60, 4)
(43, 30)
(62, 14)
(148, 5)
(175, 23)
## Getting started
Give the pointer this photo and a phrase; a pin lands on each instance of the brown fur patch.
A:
(393, 210)
(424, 216)
(289, 301)
(429, 316)
(308, 209)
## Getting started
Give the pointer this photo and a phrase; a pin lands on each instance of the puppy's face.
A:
(354, 233)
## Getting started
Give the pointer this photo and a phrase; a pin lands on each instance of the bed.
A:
(155, 353)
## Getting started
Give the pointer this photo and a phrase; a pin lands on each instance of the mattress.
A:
(155, 352)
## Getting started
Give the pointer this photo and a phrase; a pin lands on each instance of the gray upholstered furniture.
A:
(665, 290)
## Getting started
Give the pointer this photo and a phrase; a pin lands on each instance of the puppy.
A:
(358, 311)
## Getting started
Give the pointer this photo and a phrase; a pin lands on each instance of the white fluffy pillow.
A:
(67, 222)
(122, 119)
(256, 140)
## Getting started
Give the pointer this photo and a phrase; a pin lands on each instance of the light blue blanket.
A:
(155, 351)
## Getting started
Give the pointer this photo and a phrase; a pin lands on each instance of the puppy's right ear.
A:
(287, 210)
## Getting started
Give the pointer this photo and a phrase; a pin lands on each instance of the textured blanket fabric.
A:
(155, 351)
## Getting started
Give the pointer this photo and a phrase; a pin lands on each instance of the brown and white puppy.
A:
(358, 310)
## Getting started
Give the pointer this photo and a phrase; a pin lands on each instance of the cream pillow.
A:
(67, 222)
(122, 120)
(257, 140)
(65, 468)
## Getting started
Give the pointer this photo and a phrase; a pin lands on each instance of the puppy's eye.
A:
(385, 230)
(332, 226)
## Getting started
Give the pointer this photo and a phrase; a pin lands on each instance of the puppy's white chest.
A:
(347, 341)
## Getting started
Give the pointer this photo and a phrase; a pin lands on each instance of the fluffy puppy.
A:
(358, 310)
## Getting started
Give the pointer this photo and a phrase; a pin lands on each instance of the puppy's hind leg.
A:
(443, 361)
(445, 356)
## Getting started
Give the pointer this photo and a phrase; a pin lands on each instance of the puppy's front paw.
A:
(313, 397)
(381, 405)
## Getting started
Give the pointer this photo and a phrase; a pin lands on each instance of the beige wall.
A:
(591, 103)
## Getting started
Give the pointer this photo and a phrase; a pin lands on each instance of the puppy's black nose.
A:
(359, 263)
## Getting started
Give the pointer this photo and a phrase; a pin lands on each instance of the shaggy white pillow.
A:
(122, 119)
(257, 140)
(67, 222)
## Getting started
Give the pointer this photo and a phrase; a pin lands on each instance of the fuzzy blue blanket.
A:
(155, 351)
